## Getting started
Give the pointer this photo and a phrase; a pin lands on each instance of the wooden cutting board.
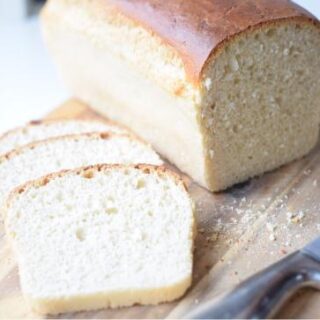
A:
(240, 231)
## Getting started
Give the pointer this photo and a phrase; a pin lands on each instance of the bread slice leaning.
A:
(69, 152)
(103, 236)
(41, 130)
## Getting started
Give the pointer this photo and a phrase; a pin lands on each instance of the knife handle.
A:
(262, 295)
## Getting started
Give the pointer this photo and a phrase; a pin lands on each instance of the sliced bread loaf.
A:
(41, 130)
(224, 89)
(104, 236)
(41, 158)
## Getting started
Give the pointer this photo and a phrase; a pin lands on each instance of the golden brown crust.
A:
(88, 172)
(197, 28)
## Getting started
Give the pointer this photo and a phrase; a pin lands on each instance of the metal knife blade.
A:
(312, 249)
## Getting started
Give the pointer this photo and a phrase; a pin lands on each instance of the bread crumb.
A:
(234, 64)
(270, 227)
(283, 251)
(208, 83)
(295, 217)
(214, 237)
(286, 52)
(307, 172)
(272, 237)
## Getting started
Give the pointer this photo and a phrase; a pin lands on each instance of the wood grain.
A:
(240, 232)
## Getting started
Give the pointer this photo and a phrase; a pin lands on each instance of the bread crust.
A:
(83, 171)
(116, 299)
(197, 29)
(36, 123)
(90, 135)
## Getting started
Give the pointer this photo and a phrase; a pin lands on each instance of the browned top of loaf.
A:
(195, 28)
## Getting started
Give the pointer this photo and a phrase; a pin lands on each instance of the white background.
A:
(29, 84)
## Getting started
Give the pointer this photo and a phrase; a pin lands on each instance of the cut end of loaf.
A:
(254, 107)
(261, 105)
(96, 237)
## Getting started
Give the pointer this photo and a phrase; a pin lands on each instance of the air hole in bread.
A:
(110, 199)
(112, 210)
(104, 135)
(146, 170)
(271, 32)
(235, 128)
(68, 207)
(141, 183)
(88, 174)
(80, 234)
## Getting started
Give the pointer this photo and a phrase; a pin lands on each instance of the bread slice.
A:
(69, 152)
(104, 236)
(225, 90)
(41, 130)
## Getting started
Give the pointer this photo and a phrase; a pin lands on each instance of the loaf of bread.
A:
(70, 152)
(226, 90)
(41, 130)
(104, 236)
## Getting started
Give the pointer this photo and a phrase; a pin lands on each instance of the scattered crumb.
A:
(315, 183)
(213, 237)
(272, 237)
(208, 83)
(289, 215)
(307, 172)
(244, 199)
(196, 301)
(295, 218)
(270, 227)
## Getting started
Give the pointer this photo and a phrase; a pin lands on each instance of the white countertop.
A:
(29, 84)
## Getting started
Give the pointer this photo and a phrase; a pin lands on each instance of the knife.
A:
(262, 295)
